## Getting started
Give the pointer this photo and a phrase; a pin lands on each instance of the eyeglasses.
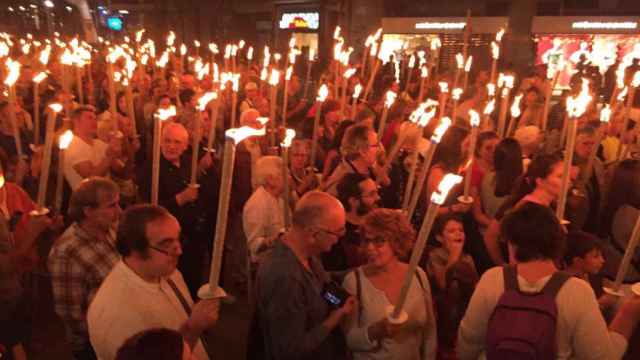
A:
(377, 241)
(338, 234)
(169, 252)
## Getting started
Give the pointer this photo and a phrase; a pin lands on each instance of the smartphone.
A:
(334, 294)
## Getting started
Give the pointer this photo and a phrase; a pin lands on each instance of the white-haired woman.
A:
(263, 213)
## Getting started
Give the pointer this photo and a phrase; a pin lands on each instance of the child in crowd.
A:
(583, 259)
(454, 276)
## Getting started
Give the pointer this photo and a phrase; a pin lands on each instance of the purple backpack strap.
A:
(510, 274)
(555, 283)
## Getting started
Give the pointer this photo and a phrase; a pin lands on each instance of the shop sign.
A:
(604, 25)
(440, 25)
(307, 20)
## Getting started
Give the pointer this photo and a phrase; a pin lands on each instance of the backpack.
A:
(523, 325)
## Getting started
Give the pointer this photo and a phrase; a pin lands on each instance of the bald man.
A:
(188, 204)
(296, 321)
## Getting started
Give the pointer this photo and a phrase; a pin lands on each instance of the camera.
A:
(334, 294)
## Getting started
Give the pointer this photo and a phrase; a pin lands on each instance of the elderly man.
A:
(251, 94)
(263, 214)
(86, 156)
(190, 205)
(296, 321)
(360, 148)
(145, 290)
(83, 256)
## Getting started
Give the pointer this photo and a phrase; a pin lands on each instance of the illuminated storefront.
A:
(304, 24)
(417, 33)
(582, 41)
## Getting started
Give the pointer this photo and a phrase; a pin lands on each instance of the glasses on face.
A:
(338, 234)
(376, 241)
(166, 250)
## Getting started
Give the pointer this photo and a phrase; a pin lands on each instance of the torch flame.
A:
(488, 109)
(438, 133)
(636, 79)
(515, 107)
(467, 66)
(241, 44)
(491, 89)
(460, 60)
(424, 72)
(357, 90)
(323, 92)
(1, 181)
(446, 184)
(288, 138)
(444, 86)
(436, 44)
(39, 77)
(13, 72)
(287, 75)
(239, 134)
(183, 49)
(495, 50)
(605, 114)
(205, 99)
(623, 93)
(171, 38)
(336, 33)
(499, 35)
(311, 54)
(474, 118)
(576, 106)
(213, 47)
(390, 98)
(421, 116)
(456, 93)
(349, 73)
(165, 114)
(65, 140)
(55, 107)
(412, 61)
(274, 78)
(250, 53)
(264, 74)
(139, 34)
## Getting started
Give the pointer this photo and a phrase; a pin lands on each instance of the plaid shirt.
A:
(78, 263)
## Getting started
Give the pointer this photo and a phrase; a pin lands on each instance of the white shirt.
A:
(420, 331)
(126, 304)
(262, 218)
(581, 332)
(79, 151)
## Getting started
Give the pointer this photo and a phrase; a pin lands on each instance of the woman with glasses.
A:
(387, 239)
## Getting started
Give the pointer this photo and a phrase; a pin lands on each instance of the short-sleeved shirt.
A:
(78, 152)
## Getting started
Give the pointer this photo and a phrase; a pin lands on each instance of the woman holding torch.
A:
(387, 239)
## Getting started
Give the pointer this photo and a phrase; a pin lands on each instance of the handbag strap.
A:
(183, 301)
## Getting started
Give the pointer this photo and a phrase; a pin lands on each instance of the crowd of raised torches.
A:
(127, 60)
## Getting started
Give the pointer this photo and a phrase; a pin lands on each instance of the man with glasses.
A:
(83, 256)
(144, 290)
(296, 321)
(359, 195)
(360, 149)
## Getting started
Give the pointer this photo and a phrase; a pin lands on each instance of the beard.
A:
(363, 209)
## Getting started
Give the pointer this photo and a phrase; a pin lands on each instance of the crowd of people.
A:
(319, 240)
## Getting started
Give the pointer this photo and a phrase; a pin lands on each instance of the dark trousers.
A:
(86, 353)
(192, 263)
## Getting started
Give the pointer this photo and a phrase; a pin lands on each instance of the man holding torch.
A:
(184, 201)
